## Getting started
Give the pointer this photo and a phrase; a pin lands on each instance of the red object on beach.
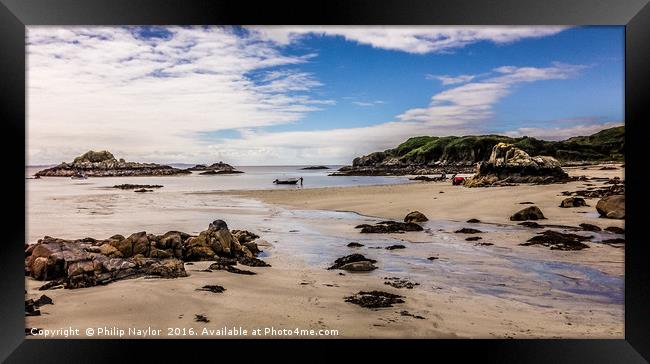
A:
(458, 181)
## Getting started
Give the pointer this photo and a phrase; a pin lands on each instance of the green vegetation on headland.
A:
(606, 145)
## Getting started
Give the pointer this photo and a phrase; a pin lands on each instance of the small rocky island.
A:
(315, 167)
(215, 168)
(104, 164)
(426, 155)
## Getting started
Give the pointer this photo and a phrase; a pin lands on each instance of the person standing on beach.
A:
(301, 181)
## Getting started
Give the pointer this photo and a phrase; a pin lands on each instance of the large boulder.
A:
(612, 207)
(415, 216)
(510, 165)
(529, 213)
(216, 240)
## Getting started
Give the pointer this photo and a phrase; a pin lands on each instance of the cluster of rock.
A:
(128, 186)
(215, 168)
(510, 165)
(90, 262)
(386, 227)
(381, 164)
(104, 164)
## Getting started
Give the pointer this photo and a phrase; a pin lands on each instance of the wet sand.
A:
(295, 293)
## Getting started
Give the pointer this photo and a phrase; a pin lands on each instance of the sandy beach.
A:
(296, 294)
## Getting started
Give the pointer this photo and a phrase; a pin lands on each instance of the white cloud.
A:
(148, 98)
(367, 103)
(473, 102)
(561, 133)
(451, 80)
(411, 39)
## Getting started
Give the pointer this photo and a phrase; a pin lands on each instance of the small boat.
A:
(288, 181)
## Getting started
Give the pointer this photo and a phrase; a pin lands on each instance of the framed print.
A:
(326, 173)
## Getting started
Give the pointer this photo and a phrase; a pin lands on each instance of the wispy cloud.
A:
(412, 39)
(561, 133)
(451, 80)
(367, 103)
(148, 97)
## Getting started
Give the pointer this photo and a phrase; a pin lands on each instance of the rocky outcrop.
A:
(510, 165)
(612, 207)
(558, 241)
(422, 155)
(215, 168)
(529, 213)
(89, 262)
(104, 164)
(415, 216)
(385, 227)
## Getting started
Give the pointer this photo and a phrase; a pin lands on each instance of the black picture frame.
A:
(634, 14)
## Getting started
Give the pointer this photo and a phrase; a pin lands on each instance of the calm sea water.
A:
(253, 178)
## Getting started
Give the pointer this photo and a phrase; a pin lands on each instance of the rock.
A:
(526, 203)
(104, 164)
(615, 230)
(143, 190)
(573, 202)
(558, 241)
(415, 216)
(352, 258)
(212, 288)
(397, 282)
(354, 245)
(128, 186)
(30, 308)
(617, 189)
(406, 313)
(374, 299)
(612, 207)
(216, 240)
(362, 266)
(589, 227)
(473, 238)
(315, 167)
(473, 221)
(200, 318)
(225, 261)
(385, 227)
(483, 244)
(432, 258)
(510, 165)
(252, 262)
(231, 269)
(529, 213)
(427, 179)
(615, 241)
(468, 231)
(396, 246)
(215, 168)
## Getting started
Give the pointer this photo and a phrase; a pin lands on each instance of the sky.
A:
(299, 95)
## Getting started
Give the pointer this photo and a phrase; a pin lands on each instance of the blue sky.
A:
(303, 95)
